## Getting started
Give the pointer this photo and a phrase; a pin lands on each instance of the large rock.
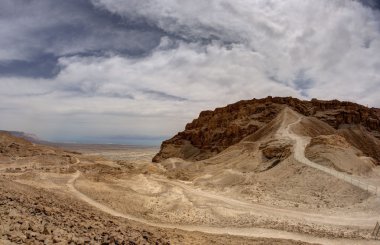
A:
(214, 131)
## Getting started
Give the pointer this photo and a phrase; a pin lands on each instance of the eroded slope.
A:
(214, 131)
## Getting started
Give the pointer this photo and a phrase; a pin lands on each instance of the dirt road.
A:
(249, 232)
(299, 154)
(360, 220)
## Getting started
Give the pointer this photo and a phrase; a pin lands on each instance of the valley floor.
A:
(97, 199)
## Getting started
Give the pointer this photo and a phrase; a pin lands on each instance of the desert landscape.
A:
(277, 170)
(183, 122)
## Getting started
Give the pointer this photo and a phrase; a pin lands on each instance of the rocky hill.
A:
(29, 137)
(18, 146)
(12, 147)
(214, 131)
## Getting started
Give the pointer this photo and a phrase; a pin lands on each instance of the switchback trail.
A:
(299, 154)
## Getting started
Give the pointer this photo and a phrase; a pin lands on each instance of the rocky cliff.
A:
(214, 131)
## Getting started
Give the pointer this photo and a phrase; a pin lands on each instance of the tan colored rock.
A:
(276, 149)
(332, 140)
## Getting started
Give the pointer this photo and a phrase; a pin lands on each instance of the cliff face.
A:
(214, 131)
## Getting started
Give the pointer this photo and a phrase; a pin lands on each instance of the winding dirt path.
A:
(77, 161)
(358, 219)
(248, 232)
(299, 154)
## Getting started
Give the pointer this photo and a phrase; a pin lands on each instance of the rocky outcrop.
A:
(330, 140)
(214, 131)
(338, 113)
(276, 149)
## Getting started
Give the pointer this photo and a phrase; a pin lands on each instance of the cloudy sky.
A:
(135, 71)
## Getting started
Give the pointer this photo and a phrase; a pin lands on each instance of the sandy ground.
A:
(26, 191)
(120, 153)
(31, 215)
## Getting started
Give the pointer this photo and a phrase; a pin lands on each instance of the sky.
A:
(135, 72)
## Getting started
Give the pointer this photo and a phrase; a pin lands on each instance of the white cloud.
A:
(173, 85)
(325, 49)
(333, 42)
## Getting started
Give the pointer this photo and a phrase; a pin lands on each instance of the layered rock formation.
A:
(214, 131)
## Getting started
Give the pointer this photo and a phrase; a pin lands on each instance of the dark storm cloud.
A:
(371, 3)
(44, 66)
(35, 33)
